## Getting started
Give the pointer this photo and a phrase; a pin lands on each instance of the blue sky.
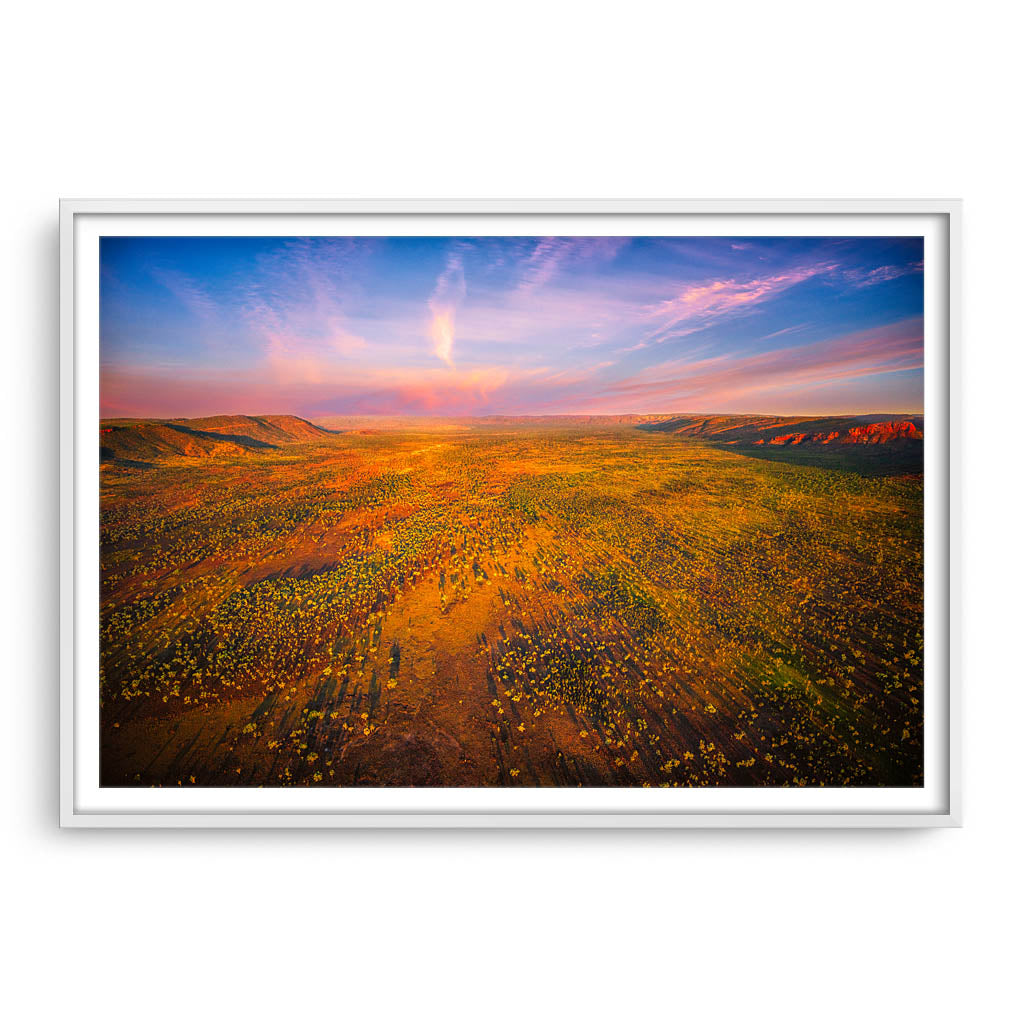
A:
(510, 325)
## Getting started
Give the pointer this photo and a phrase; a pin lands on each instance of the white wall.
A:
(528, 99)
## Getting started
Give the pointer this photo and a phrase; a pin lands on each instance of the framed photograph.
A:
(509, 514)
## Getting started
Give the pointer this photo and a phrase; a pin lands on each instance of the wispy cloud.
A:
(784, 331)
(295, 306)
(801, 377)
(865, 277)
(449, 291)
(191, 296)
(550, 255)
(727, 381)
(496, 324)
(699, 306)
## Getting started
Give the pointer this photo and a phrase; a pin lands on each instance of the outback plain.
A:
(512, 601)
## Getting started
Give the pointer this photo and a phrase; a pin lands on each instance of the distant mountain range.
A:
(145, 441)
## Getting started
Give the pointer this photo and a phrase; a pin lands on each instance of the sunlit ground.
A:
(511, 607)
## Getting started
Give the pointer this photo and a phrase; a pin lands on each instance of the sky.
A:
(481, 326)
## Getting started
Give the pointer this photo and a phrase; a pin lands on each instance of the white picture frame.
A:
(83, 803)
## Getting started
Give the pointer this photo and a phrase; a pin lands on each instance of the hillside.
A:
(134, 442)
(872, 445)
(794, 430)
(273, 430)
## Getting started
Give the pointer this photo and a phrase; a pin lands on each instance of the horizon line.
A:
(520, 416)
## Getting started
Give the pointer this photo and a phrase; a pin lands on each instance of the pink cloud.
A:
(800, 378)
(700, 305)
(727, 381)
(298, 386)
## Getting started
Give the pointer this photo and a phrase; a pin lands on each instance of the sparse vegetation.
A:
(508, 604)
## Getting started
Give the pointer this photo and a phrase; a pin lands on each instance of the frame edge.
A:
(68, 817)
